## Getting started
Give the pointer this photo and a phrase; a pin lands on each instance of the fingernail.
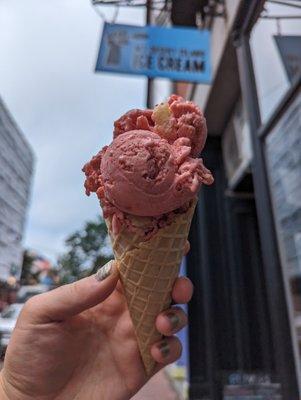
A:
(164, 348)
(187, 248)
(104, 271)
(173, 319)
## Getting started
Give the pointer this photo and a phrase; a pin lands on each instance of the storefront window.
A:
(283, 157)
(276, 50)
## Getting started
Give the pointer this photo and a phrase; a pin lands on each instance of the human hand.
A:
(78, 342)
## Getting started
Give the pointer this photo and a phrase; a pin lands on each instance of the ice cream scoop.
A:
(144, 175)
(172, 120)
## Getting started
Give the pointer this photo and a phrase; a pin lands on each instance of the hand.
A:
(78, 342)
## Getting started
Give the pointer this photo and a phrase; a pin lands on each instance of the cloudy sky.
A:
(48, 51)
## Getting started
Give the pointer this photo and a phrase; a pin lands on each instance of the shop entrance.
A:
(230, 332)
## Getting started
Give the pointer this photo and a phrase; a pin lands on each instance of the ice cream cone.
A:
(148, 270)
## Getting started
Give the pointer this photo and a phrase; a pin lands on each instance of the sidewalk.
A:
(159, 387)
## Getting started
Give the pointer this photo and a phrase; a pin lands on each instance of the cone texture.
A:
(148, 270)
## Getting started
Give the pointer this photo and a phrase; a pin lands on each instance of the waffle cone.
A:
(148, 270)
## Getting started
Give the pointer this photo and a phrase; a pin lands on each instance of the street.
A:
(159, 387)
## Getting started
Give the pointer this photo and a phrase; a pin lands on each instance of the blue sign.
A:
(180, 54)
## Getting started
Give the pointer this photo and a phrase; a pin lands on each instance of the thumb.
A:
(69, 300)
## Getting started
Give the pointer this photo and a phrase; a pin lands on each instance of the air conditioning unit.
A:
(236, 144)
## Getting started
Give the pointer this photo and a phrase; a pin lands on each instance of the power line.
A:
(277, 17)
(131, 3)
(284, 3)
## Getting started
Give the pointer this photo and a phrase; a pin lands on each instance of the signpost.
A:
(180, 54)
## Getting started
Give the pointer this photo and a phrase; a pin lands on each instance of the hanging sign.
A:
(180, 54)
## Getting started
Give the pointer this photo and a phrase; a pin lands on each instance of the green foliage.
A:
(87, 249)
(27, 276)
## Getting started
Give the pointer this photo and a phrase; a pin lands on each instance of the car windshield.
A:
(11, 312)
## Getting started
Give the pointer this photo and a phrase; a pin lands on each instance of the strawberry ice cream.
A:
(172, 120)
(150, 169)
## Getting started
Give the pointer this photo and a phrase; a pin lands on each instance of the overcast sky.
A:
(48, 51)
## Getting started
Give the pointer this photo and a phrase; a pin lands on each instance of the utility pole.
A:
(150, 81)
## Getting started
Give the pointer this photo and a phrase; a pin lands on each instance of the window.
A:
(270, 63)
(283, 157)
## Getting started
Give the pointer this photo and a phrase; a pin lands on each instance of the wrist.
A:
(3, 395)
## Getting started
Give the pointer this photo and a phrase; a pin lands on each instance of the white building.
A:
(16, 169)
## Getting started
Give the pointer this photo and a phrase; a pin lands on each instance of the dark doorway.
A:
(229, 326)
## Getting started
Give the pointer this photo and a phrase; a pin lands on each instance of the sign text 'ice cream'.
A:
(180, 54)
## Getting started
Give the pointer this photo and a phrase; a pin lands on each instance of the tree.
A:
(27, 276)
(87, 250)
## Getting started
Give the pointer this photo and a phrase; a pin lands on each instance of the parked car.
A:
(26, 292)
(8, 319)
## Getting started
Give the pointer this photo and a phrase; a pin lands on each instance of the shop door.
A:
(229, 325)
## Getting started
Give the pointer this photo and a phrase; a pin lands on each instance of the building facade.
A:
(245, 258)
(16, 169)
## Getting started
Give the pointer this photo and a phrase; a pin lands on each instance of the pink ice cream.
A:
(172, 120)
(150, 169)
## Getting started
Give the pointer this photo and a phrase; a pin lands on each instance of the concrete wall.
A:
(16, 168)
